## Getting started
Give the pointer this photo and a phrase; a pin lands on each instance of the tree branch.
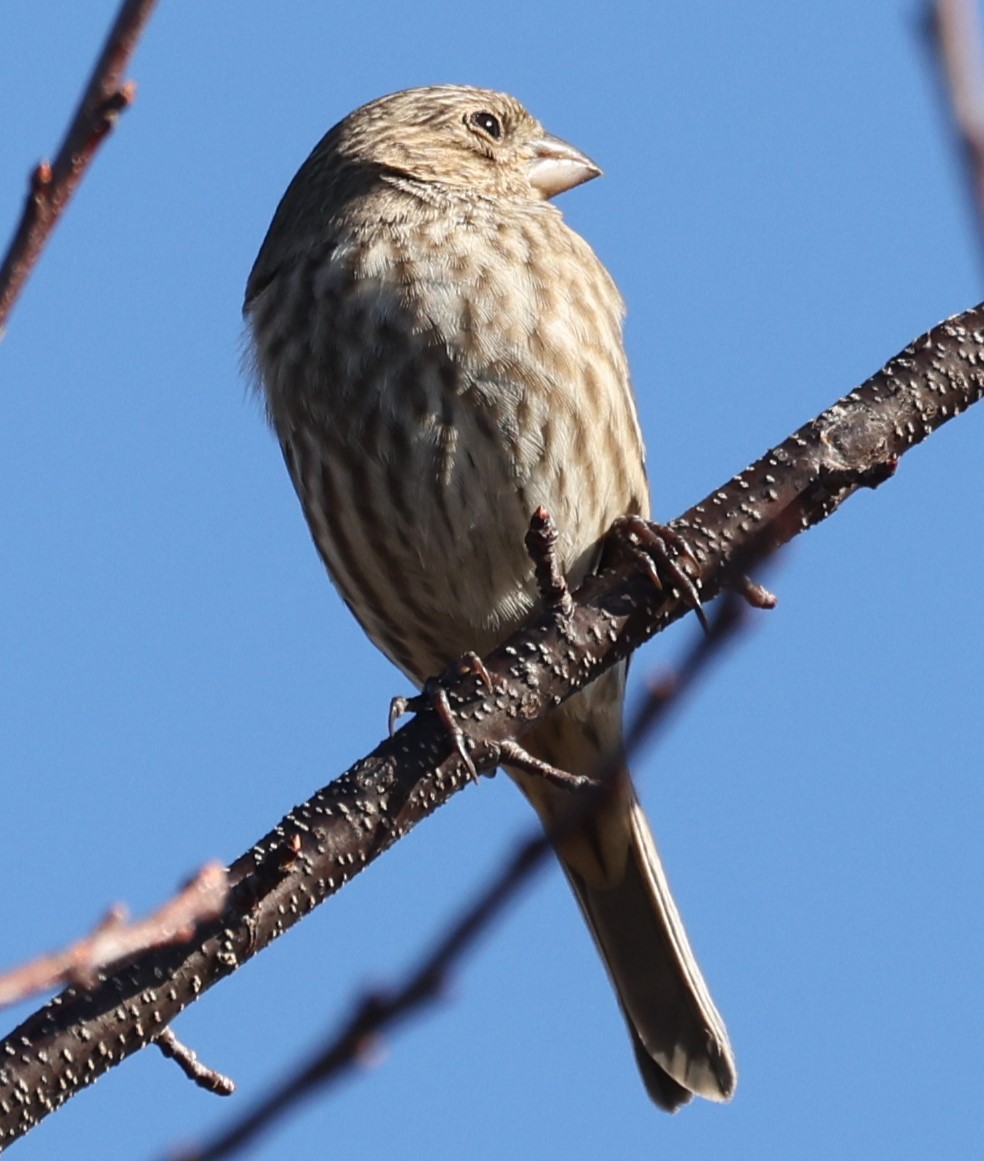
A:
(321, 844)
(382, 1011)
(52, 184)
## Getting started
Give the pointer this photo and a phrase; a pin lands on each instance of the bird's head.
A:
(459, 137)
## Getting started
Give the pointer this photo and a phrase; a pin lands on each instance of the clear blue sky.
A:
(783, 210)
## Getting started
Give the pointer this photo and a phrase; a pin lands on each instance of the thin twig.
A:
(115, 940)
(203, 1076)
(52, 184)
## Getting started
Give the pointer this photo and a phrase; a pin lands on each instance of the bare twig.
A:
(205, 1077)
(382, 1012)
(52, 184)
(513, 754)
(956, 36)
(324, 842)
(115, 940)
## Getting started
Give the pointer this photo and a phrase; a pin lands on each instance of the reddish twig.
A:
(956, 36)
(541, 544)
(114, 940)
(53, 183)
(380, 1012)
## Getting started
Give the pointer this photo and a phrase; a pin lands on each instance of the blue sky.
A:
(783, 210)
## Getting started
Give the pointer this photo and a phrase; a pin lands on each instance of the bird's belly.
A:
(437, 415)
(424, 530)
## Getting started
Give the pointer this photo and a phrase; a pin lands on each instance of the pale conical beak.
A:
(557, 166)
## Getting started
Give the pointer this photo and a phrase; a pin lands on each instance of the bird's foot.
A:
(662, 550)
(434, 696)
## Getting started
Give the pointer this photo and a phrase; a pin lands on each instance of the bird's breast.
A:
(455, 375)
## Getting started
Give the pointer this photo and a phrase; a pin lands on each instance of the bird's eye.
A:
(488, 122)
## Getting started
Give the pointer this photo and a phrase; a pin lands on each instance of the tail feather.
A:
(615, 872)
(680, 1040)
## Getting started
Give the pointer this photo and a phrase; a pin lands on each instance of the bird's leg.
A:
(512, 754)
(660, 549)
(434, 696)
(541, 544)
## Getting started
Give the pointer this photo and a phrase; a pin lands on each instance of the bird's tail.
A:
(614, 869)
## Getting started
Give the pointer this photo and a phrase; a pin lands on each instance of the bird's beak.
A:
(557, 166)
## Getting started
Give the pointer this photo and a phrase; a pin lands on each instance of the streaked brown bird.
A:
(441, 355)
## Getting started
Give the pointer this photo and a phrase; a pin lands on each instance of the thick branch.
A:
(321, 844)
(52, 184)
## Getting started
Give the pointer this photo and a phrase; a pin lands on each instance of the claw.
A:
(660, 548)
(435, 696)
(398, 707)
(442, 707)
(471, 663)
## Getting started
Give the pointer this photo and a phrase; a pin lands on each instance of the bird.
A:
(440, 355)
